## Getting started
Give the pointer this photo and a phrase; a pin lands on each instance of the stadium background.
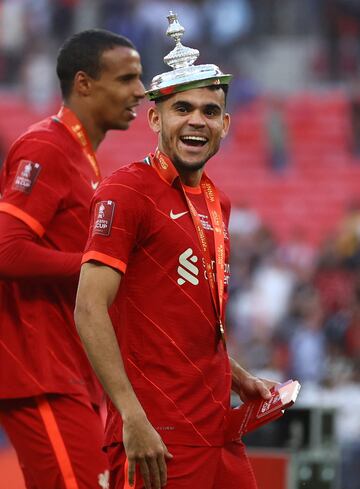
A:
(291, 166)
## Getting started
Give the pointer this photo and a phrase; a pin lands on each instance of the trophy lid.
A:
(185, 75)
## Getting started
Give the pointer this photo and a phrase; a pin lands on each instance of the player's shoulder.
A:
(224, 200)
(137, 175)
(223, 197)
(43, 135)
(48, 144)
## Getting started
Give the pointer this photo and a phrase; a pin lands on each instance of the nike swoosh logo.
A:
(94, 185)
(176, 216)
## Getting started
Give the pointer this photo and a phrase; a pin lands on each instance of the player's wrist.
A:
(239, 374)
(132, 412)
(133, 415)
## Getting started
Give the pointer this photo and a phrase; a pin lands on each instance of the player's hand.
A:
(252, 387)
(247, 386)
(144, 446)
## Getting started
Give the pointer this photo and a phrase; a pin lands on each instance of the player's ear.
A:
(226, 125)
(154, 119)
(82, 83)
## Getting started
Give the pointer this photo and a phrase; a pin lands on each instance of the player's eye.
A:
(181, 108)
(211, 111)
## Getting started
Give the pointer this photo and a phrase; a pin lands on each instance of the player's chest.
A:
(173, 232)
(83, 183)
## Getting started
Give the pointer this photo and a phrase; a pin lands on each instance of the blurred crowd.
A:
(322, 37)
(294, 312)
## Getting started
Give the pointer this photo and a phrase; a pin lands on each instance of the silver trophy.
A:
(185, 75)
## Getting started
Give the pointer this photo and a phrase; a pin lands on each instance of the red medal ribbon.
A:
(168, 172)
(76, 129)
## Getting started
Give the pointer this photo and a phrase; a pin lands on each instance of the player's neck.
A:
(190, 178)
(94, 133)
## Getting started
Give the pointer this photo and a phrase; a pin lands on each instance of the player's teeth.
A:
(194, 138)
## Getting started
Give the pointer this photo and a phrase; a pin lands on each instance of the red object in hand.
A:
(255, 413)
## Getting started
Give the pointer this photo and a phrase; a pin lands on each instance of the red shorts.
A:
(225, 467)
(58, 440)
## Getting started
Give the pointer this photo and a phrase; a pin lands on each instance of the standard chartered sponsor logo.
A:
(187, 270)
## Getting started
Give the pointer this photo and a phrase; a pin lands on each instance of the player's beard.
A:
(181, 164)
(187, 166)
(194, 166)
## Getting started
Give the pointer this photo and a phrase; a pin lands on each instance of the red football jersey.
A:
(163, 316)
(47, 183)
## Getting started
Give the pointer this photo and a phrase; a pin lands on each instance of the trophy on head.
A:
(185, 75)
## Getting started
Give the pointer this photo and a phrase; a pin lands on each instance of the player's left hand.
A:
(253, 387)
(247, 386)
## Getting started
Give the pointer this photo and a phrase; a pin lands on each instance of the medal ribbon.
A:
(168, 172)
(76, 129)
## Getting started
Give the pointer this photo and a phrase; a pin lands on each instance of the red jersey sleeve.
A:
(21, 256)
(118, 222)
(35, 182)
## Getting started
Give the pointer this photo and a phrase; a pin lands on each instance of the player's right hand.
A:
(144, 446)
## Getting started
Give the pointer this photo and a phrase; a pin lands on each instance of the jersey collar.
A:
(166, 169)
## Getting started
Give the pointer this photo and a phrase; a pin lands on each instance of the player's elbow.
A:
(83, 312)
(9, 268)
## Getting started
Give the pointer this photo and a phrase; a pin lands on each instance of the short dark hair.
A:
(82, 52)
(223, 87)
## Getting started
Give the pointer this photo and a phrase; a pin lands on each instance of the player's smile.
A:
(194, 140)
(194, 143)
(191, 125)
(132, 110)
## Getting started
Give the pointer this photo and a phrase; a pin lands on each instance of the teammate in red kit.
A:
(152, 294)
(49, 396)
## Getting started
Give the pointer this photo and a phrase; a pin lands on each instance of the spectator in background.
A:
(348, 240)
(298, 254)
(342, 30)
(229, 22)
(244, 221)
(307, 342)
(352, 335)
(12, 39)
(62, 18)
(277, 137)
(261, 292)
(333, 281)
(49, 396)
(121, 17)
(273, 283)
(38, 79)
